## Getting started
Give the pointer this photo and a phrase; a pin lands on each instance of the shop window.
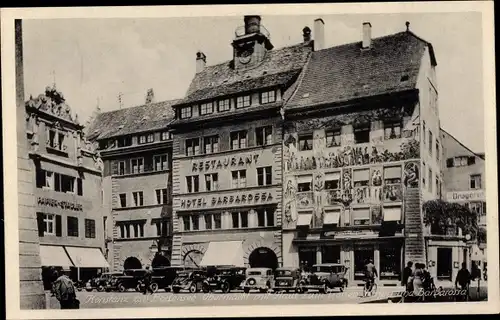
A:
(362, 134)
(307, 258)
(268, 97)
(192, 147)
(264, 135)
(361, 258)
(137, 165)
(72, 223)
(306, 142)
(390, 262)
(475, 181)
(211, 144)
(138, 197)
(264, 176)
(206, 108)
(193, 184)
(243, 101)
(162, 196)
(392, 130)
(160, 162)
(186, 112)
(89, 228)
(238, 140)
(333, 138)
(361, 177)
(239, 178)
(211, 182)
(392, 175)
(361, 216)
(444, 264)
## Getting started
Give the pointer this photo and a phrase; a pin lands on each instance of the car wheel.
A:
(154, 287)
(225, 287)
(89, 289)
(100, 288)
(246, 290)
(121, 288)
(205, 287)
(193, 288)
(324, 289)
(176, 290)
(167, 289)
(299, 290)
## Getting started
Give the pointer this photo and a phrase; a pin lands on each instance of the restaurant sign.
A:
(59, 204)
(224, 163)
(221, 201)
(472, 195)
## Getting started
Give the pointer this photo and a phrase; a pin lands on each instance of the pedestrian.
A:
(147, 281)
(407, 272)
(418, 280)
(463, 279)
(65, 292)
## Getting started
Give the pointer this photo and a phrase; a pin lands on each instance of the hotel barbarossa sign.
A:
(221, 201)
(60, 204)
(471, 195)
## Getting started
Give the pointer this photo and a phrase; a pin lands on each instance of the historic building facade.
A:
(67, 176)
(361, 153)
(227, 154)
(136, 149)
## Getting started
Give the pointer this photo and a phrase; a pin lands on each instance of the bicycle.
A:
(370, 287)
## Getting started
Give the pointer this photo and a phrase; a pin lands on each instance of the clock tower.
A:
(251, 43)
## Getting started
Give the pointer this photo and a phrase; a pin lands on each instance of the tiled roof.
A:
(278, 67)
(132, 120)
(348, 72)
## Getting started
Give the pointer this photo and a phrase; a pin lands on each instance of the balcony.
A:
(305, 199)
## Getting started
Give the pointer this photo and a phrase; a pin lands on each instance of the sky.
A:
(92, 60)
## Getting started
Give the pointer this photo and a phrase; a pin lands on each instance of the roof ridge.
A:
(171, 101)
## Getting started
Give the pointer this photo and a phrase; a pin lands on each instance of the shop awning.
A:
(392, 214)
(87, 257)
(331, 217)
(223, 253)
(304, 219)
(54, 256)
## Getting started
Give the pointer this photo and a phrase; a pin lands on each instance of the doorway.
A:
(307, 258)
(330, 254)
(263, 258)
(444, 263)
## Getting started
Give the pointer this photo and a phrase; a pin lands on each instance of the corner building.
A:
(227, 154)
(361, 153)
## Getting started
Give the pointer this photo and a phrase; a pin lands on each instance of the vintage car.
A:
(258, 279)
(163, 277)
(189, 279)
(324, 277)
(101, 282)
(287, 279)
(224, 278)
(130, 279)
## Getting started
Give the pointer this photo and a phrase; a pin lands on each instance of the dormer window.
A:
(150, 138)
(206, 108)
(124, 142)
(224, 105)
(165, 135)
(186, 112)
(142, 139)
(243, 101)
(268, 97)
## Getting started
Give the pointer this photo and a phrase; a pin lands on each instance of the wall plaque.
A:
(60, 204)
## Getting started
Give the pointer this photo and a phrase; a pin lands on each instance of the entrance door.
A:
(444, 263)
(361, 258)
(307, 257)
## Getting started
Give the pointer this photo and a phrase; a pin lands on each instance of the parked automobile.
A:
(190, 280)
(258, 279)
(101, 282)
(225, 278)
(128, 280)
(287, 279)
(163, 277)
(325, 276)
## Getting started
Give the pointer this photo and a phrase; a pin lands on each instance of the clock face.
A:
(193, 258)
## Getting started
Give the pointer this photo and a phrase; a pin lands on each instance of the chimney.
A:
(367, 35)
(319, 34)
(306, 33)
(150, 96)
(201, 61)
(252, 24)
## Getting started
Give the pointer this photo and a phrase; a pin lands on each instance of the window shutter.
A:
(79, 186)
(40, 223)
(40, 178)
(57, 182)
(449, 162)
(58, 225)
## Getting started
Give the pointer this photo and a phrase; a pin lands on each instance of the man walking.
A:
(463, 279)
(64, 291)
(407, 272)
(147, 281)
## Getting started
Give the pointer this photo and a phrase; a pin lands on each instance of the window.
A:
(142, 139)
(306, 143)
(264, 176)
(239, 178)
(361, 177)
(477, 207)
(89, 228)
(138, 197)
(460, 161)
(162, 228)
(217, 220)
(121, 168)
(79, 186)
(150, 138)
(211, 182)
(165, 135)
(238, 140)
(186, 220)
(264, 135)
(239, 219)
(193, 184)
(392, 130)
(211, 144)
(44, 179)
(208, 221)
(192, 146)
(186, 112)
(160, 162)
(332, 181)
(49, 222)
(471, 161)
(56, 139)
(52, 139)
(438, 189)
(304, 183)
(392, 175)
(206, 108)
(67, 183)
(124, 141)
(430, 180)
(361, 216)
(268, 97)
(438, 151)
(196, 222)
(362, 134)
(449, 162)
(431, 143)
(235, 219)
(162, 196)
(224, 105)
(265, 217)
(475, 181)
(137, 165)
(243, 101)
(72, 227)
(123, 200)
(333, 138)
